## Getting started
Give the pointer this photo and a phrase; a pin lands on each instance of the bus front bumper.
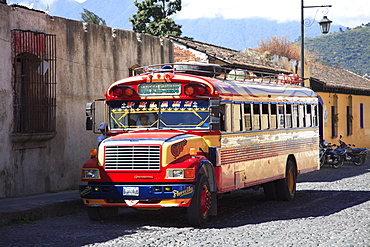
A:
(169, 195)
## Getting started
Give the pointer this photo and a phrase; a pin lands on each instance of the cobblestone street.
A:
(332, 208)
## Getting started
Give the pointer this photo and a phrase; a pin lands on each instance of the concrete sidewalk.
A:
(36, 207)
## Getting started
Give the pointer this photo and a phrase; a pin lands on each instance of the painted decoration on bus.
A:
(146, 89)
(158, 114)
(177, 148)
(290, 93)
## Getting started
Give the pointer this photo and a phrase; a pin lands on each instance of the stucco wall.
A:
(88, 59)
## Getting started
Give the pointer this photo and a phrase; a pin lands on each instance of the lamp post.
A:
(324, 25)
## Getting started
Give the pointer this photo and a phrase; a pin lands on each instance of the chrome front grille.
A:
(132, 157)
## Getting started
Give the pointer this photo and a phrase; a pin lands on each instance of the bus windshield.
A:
(159, 114)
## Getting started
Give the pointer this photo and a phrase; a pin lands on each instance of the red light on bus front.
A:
(194, 90)
(125, 91)
(201, 90)
(189, 90)
(129, 91)
(117, 92)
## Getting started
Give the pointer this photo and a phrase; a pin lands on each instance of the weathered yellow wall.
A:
(360, 137)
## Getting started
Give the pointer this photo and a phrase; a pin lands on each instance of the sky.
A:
(348, 13)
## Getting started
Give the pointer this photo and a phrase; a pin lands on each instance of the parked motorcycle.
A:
(328, 156)
(356, 155)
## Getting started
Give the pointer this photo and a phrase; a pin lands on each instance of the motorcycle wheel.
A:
(339, 163)
(322, 160)
(358, 160)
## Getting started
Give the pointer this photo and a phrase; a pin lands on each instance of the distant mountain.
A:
(348, 49)
(244, 33)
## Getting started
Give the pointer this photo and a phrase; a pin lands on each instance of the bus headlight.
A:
(90, 174)
(180, 173)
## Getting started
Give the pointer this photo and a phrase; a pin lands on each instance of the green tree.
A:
(152, 17)
(90, 17)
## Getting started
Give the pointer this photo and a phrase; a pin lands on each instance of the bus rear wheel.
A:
(198, 211)
(286, 187)
(100, 213)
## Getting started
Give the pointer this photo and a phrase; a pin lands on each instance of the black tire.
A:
(339, 163)
(100, 213)
(198, 211)
(286, 187)
(358, 160)
(270, 190)
(322, 160)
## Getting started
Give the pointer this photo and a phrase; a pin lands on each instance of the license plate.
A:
(130, 191)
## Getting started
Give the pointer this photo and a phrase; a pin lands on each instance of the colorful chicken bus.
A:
(178, 135)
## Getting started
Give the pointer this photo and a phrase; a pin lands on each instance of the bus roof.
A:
(231, 84)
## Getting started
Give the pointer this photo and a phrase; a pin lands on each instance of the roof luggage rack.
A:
(221, 73)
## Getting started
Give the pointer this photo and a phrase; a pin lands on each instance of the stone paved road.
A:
(332, 208)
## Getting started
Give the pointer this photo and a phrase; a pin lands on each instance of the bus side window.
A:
(222, 118)
(241, 120)
(228, 117)
(314, 115)
(301, 115)
(236, 124)
(281, 117)
(295, 116)
(288, 116)
(308, 116)
(256, 119)
(273, 118)
(247, 116)
(265, 116)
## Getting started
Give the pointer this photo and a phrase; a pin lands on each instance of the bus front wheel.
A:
(286, 187)
(198, 211)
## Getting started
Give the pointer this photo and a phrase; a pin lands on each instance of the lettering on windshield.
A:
(160, 114)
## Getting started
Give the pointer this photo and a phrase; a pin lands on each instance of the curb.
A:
(37, 207)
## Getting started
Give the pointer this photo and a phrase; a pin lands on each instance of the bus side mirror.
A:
(89, 123)
(214, 121)
(89, 115)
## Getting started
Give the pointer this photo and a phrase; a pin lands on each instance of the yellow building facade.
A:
(344, 115)
(345, 105)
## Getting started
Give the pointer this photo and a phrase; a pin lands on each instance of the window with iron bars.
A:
(34, 82)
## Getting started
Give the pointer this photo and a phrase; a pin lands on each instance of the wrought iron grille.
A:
(132, 158)
(34, 83)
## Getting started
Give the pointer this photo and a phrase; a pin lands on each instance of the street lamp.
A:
(324, 25)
